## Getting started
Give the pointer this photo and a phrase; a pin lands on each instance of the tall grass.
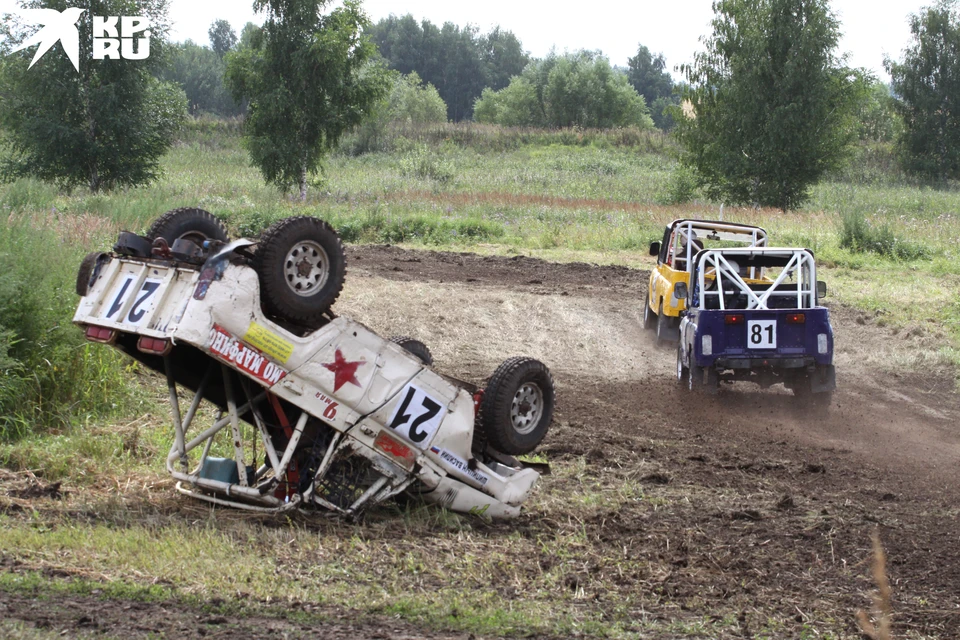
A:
(49, 376)
(492, 138)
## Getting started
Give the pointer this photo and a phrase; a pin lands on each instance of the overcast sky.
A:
(871, 28)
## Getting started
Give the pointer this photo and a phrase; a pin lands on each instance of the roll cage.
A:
(677, 251)
(719, 279)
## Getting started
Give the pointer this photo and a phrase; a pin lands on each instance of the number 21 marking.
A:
(420, 412)
(138, 310)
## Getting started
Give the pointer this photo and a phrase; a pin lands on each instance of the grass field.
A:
(885, 246)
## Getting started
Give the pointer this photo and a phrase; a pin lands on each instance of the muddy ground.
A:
(771, 507)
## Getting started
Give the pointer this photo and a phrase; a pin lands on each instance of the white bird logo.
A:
(57, 27)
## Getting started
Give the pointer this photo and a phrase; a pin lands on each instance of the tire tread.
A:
(269, 251)
(170, 220)
(403, 341)
(495, 404)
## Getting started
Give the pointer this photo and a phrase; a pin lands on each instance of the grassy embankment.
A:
(68, 411)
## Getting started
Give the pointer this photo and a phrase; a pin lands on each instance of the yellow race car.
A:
(682, 240)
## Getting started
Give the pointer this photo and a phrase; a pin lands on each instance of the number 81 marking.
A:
(762, 334)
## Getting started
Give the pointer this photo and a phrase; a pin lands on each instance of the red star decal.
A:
(343, 371)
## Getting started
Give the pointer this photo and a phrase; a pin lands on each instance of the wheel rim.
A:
(646, 312)
(690, 382)
(526, 408)
(306, 268)
(679, 367)
(196, 237)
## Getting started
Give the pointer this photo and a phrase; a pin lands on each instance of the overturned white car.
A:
(344, 417)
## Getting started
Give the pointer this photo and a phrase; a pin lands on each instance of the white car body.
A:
(384, 408)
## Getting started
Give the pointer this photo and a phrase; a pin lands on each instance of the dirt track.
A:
(770, 509)
(906, 424)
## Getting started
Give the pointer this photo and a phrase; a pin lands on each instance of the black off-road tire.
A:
(88, 271)
(667, 331)
(302, 267)
(415, 347)
(711, 385)
(188, 223)
(821, 402)
(683, 371)
(517, 406)
(817, 404)
(649, 320)
(695, 379)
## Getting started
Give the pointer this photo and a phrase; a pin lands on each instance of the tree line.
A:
(764, 111)
(460, 63)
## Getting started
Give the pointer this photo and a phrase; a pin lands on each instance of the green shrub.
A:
(860, 235)
(425, 163)
(682, 187)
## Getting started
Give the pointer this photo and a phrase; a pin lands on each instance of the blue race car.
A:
(753, 314)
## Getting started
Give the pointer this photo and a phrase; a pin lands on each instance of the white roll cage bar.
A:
(729, 281)
(756, 237)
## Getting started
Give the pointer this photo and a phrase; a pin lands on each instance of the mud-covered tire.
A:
(188, 223)
(414, 347)
(682, 370)
(517, 406)
(695, 379)
(711, 385)
(649, 320)
(807, 401)
(87, 271)
(821, 402)
(301, 265)
(666, 330)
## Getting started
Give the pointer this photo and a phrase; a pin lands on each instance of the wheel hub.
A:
(526, 409)
(306, 268)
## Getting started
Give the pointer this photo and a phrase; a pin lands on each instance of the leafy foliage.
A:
(877, 114)
(222, 37)
(647, 74)
(425, 163)
(927, 83)
(309, 77)
(773, 106)
(106, 126)
(199, 72)
(411, 104)
(458, 62)
(573, 90)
